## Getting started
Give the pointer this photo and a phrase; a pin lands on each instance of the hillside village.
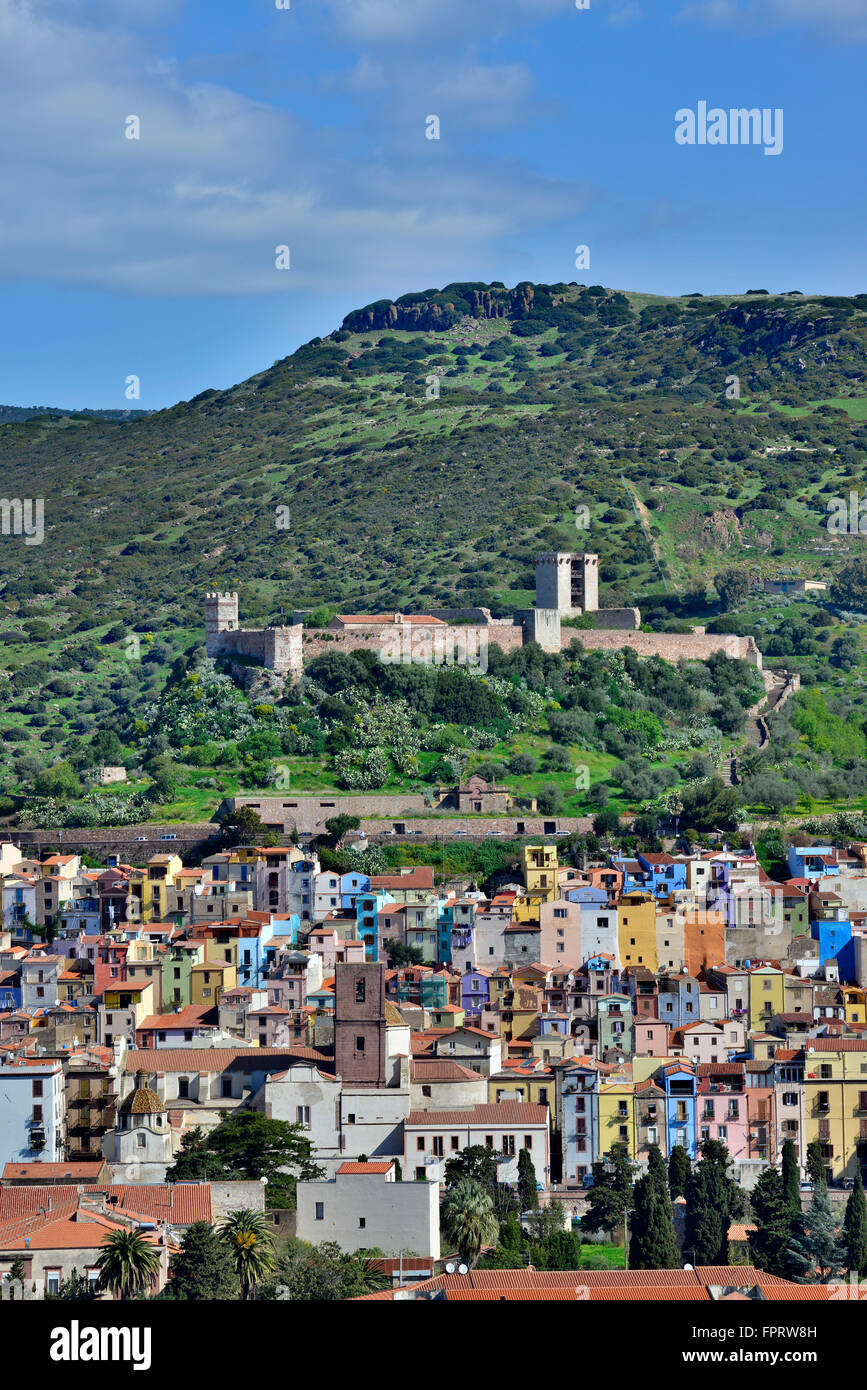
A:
(656, 1009)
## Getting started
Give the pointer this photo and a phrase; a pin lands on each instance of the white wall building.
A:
(363, 1206)
(431, 1137)
(32, 1110)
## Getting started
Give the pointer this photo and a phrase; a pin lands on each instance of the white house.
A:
(32, 1110)
(431, 1137)
(363, 1206)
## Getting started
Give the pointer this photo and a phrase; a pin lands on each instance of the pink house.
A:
(334, 950)
(651, 1037)
(722, 1107)
(708, 1042)
(271, 1026)
(560, 934)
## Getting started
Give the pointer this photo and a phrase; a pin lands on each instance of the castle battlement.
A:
(567, 585)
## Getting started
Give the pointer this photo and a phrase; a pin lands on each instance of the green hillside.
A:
(424, 453)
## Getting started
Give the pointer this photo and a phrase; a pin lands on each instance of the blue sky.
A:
(305, 127)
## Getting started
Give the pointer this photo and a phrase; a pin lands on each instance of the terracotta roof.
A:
(76, 1172)
(211, 1059)
(663, 1284)
(443, 1071)
(179, 1203)
(352, 1166)
(507, 1112)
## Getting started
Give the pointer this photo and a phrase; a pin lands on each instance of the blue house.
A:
(282, 927)
(679, 1000)
(834, 936)
(580, 1099)
(680, 1087)
(350, 886)
(664, 874)
(635, 875)
(811, 861)
(368, 906)
(10, 990)
(587, 894)
(475, 993)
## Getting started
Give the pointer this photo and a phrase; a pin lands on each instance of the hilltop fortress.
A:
(567, 586)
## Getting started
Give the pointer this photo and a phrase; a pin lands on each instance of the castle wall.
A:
(672, 646)
(278, 648)
(381, 637)
(621, 618)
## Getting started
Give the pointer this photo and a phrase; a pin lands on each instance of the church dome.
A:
(143, 1100)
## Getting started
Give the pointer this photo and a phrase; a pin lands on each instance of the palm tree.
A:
(128, 1265)
(467, 1217)
(252, 1247)
(374, 1278)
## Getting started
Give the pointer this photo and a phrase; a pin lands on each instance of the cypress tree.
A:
(652, 1242)
(791, 1179)
(611, 1192)
(678, 1171)
(855, 1227)
(775, 1224)
(709, 1194)
(816, 1165)
(527, 1182)
(657, 1174)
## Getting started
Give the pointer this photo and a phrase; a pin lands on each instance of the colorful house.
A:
(636, 920)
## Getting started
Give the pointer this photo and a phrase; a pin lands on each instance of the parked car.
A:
(806, 1187)
(141, 837)
(387, 832)
(460, 832)
(493, 832)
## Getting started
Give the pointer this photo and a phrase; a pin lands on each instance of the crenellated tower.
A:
(221, 615)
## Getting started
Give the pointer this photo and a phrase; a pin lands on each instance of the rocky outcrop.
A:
(437, 310)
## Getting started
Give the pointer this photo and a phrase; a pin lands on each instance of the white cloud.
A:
(401, 21)
(218, 181)
(838, 19)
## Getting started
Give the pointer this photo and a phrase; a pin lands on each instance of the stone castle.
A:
(567, 586)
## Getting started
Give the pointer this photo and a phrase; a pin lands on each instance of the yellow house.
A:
(531, 1087)
(447, 1016)
(124, 1007)
(247, 854)
(149, 888)
(210, 979)
(636, 930)
(144, 965)
(520, 1015)
(617, 1116)
(767, 996)
(835, 1103)
(499, 985)
(525, 909)
(539, 863)
(854, 1003)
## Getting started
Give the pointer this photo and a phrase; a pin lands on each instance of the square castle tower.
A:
(278, 648)
(567, 583)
